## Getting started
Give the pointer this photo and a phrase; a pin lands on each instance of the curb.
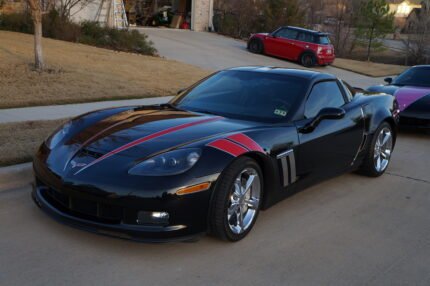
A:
(16, 176)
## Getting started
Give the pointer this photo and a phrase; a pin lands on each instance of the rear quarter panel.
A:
(378, 107)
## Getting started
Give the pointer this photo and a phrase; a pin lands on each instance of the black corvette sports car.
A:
(412, 91)
(234, 143)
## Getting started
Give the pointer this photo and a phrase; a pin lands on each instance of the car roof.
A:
(318, 33)
(306, 74)
(421, 66)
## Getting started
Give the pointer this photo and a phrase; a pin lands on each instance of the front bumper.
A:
(144, 234)
(325, 59)
(115, 216)
(414, 122)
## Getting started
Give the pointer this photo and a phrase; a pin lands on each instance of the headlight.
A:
(169, 163)
(58, 135)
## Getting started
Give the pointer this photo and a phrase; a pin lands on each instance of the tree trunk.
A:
(38, 55)
(370, 44)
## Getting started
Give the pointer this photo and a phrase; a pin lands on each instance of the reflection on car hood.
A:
(139, 133)
(405, 95)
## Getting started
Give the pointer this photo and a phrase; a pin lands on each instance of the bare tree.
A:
(341, 30)
(38, 8)
(65, 7)
(418, 41)
(239, 18)
(314, 10)
(341, 25)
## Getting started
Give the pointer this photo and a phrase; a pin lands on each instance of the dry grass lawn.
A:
(27, 137)
(80, 73)
(368, 68)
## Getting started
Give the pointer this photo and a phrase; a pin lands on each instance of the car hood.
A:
(140, 133)
(405, 95)
(260, 35)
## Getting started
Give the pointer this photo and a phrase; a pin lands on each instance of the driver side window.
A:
(287, 34)
(323, 94)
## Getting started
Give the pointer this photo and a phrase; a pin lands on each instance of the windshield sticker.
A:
(280, 112)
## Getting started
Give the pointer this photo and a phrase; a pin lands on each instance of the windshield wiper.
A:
(206, 112)
(169, 105)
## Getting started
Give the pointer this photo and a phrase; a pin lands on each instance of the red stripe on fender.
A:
(147, 138)
(228, 147)
(246, 141)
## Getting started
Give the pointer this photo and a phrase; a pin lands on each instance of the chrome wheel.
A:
(244, 201)
(383, 149)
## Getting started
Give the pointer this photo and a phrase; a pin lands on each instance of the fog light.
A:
(160, 215)
(153, 218)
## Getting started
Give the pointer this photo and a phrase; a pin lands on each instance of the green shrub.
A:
(16, 22)
(59, 28)
(89, 33)
(120, 40)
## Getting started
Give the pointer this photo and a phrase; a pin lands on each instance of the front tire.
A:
(256, 46)
(237, 199)
(379, 154)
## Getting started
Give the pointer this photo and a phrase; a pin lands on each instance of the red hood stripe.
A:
(147, 138)
(246, 141)
(228, 147)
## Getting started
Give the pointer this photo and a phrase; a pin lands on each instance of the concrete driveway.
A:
(351, 230)
(214, 52)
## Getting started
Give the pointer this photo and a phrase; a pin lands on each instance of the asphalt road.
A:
(351, 230)
(398, 45)
(214, 52)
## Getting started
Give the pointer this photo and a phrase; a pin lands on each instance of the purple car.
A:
(412, 91)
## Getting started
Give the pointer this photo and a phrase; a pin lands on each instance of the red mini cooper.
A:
(305, 46)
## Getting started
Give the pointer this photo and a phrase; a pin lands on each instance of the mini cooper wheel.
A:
(308, 60)
(236, 201)
(380, 151)
(256, 46)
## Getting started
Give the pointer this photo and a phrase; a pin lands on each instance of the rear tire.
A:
(256, 46)
(236, 201)
(308, 60)
(379, 153)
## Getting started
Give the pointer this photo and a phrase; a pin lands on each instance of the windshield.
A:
(418, 76)
(244, 95)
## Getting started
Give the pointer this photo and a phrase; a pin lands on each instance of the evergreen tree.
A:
(374, 22)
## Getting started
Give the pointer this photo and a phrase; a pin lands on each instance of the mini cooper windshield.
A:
(267, 97)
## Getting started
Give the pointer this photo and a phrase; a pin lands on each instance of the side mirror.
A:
(388, 80)
(358, 89)
(325, 113)
(273, 34)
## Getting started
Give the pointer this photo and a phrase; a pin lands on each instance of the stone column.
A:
(200, 15)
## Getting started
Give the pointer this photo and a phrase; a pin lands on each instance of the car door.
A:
(303, 43)
(279, 43)
(332, 146)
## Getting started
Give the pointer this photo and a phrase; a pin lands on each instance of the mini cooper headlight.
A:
(169, 163)
(58, 135)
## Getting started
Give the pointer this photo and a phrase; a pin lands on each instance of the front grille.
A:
(82, 208)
